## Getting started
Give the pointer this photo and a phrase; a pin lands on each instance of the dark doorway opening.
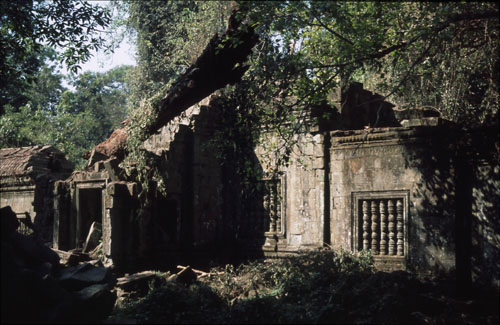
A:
(167, 215)
(89, 210)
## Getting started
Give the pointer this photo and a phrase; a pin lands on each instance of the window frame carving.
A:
(280, 231)
(358, 240)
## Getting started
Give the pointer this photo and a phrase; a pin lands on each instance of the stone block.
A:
(426, 121)
(84, 275)
(318, 163)
(308, 148)
(93, 237)
(318, 138)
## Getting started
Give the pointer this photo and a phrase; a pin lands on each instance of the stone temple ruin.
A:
(418, 192)
(409, 186)
(27, 177)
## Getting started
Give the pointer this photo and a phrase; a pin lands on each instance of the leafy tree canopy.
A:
(73, 120)
(443, 55)
(416, 54)
(170, 35)
(27, 26)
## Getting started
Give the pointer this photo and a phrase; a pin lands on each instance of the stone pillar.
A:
(119, 204)
(62, 211)
(400, 227)
(366, 225)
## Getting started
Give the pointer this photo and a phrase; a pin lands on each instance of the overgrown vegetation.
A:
(36, 107)
(321, 286)
(416, 55)
(74, 120)
(430, 54)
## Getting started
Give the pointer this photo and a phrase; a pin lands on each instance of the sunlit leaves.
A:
(170, 36)
(27, 26)
(400, 49)
(72, 120)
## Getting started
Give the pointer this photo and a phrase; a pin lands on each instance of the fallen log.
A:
(199, 272)
(220, 64)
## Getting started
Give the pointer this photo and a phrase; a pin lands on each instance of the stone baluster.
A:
(272, 207)
(366, 225)
(278, 206)
(375, 228)
(399, 227)
(383, 228)
(266, 213)
(392, 234)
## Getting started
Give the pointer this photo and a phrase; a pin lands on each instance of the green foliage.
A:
(292, 289)
(174, 303)
(74, 121)
(27, 26)
(443, 55)
(105, 95)
(170, 36)
(36, 109)
(24, 126)
(140, 165)
(319, 286)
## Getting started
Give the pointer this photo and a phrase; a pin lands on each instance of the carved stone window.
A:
(272, 199)
(381, 222)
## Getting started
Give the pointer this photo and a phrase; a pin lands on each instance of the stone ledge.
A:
(389, 263)
(425, 121)
(416, 131)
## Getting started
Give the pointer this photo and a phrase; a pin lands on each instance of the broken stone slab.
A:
(113, 169)
(425, 121)
(93, 237)
(31, 253)
(30, 294)
(71, 258)
(91, 292)
(96, 253)
(84, 275)
(136, 281)
(96, 263)
(68, 272)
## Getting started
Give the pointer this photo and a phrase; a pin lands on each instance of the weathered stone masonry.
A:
(27, 176)
(397, 186)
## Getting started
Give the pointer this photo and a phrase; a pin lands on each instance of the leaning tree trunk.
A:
(220, 64)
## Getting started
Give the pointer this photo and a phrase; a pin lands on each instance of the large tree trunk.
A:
(220, 64)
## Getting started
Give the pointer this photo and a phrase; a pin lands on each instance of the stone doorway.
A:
(89, 210)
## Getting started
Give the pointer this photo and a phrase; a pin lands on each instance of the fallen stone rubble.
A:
(37, 288)
(44, 285)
